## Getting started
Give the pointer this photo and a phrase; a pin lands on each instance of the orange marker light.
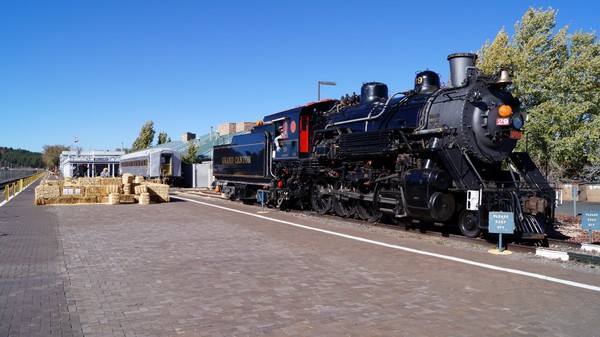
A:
(505, 111)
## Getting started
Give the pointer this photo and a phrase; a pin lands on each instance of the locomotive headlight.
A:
(518, 121)
(505, 111)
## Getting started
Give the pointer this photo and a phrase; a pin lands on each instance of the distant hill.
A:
(10, 157)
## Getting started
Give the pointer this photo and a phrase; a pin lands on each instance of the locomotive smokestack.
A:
(459, 63)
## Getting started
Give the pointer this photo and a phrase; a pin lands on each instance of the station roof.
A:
(204, 143)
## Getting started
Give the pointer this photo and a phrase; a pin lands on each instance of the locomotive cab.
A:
(292, 131)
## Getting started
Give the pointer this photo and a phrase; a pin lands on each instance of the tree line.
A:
(10, 157)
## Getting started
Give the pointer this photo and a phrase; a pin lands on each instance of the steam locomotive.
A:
(428, 155)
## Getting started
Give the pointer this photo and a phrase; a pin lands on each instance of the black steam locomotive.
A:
(431, 154)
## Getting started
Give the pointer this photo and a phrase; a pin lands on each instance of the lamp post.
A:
(319, 88)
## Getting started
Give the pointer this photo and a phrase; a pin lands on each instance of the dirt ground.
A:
(570, 227)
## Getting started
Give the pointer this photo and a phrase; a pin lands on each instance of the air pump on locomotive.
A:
(431, 154)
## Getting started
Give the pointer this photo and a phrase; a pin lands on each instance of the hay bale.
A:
(47, 191)
(96, 190)
(127, 178)
(141, 189)
(159, 192)
(113, 198)
(111, 181)
(144, 199)
(139, 179)
(71, 200)
(51, 183)
(126, 198)
(126, 189)
(113, 189)
(85, 181)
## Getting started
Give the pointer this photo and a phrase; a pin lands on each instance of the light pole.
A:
(319, 88)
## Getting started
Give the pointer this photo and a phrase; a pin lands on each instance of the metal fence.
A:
(11, 174)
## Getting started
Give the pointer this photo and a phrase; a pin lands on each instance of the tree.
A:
(557, 78)
(51, 154)
(145, 138)
(20, 158)
(190, 156)
(163, 138)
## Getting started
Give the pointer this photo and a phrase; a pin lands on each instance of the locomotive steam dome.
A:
(427, 81)
(372, 92)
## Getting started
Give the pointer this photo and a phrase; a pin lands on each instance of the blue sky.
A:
(98, 70)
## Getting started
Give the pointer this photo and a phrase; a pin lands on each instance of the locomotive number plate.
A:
(516, 134)
(503, 121)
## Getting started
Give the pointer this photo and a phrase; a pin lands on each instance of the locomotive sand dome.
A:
(430, 154)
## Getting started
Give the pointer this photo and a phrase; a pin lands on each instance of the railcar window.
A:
(133, 163)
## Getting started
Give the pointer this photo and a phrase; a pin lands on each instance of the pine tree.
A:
(145, 138)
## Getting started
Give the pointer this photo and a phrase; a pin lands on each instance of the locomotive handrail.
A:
(269, 153)
(481, 181)
(369, 117)
(430, 131)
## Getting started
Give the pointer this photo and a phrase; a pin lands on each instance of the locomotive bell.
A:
(504, 78)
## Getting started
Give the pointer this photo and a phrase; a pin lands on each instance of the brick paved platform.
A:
(186, 269)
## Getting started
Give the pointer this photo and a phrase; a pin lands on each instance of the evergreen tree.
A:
(145, 138)
(163, 138)
(190, 156)
(20, 158)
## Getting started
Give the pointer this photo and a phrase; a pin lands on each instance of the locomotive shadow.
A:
(448, 230)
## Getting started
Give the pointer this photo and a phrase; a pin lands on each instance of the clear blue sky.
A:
(99, 70)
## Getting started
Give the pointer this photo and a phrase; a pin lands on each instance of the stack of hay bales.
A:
(46, 190)
(127, 181)
(113, 191)
(144, 198)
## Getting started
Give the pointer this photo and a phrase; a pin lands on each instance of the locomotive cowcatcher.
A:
(429, 155)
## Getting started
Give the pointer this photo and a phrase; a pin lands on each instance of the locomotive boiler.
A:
(431, 154)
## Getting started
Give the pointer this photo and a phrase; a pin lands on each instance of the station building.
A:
(89, 163)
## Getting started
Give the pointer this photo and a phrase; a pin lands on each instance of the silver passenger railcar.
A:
(152, 163)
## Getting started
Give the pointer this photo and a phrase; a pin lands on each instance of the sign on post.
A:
(590, 220)
(501, 223)
(262, 196)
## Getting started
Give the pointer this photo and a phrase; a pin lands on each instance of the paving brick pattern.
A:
(33, 275)
(182, 269)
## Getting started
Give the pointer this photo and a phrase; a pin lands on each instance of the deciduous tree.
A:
(557, 77)
(51, 154)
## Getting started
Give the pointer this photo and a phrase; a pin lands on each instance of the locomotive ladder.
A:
(526, 224)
